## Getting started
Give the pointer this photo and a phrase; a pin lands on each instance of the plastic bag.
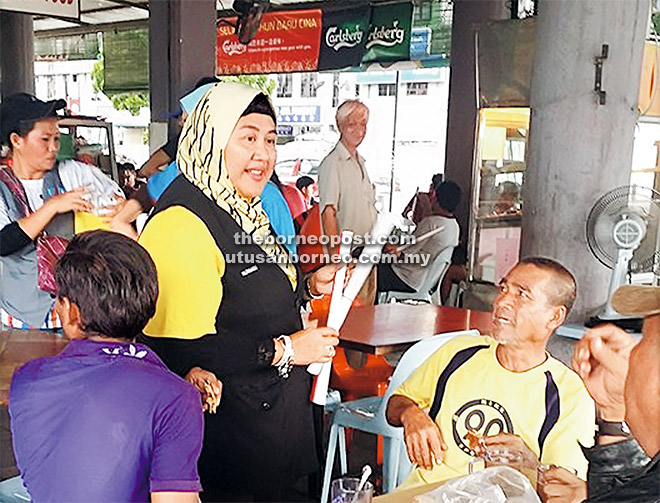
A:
(498, 484)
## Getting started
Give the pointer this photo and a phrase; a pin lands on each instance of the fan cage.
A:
(643, 201)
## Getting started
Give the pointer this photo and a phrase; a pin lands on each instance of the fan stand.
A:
(616, 228)
(619, 278)
(607, 314)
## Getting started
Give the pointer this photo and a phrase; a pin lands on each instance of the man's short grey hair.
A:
(347, 108)
(563, 287)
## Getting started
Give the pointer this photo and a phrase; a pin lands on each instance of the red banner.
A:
(287, 41)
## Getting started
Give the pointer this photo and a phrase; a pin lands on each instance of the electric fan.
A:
(623, 233)
(249, 18)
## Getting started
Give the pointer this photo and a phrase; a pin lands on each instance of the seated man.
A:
(423, 204)
(506, 389)
(623, 378)
(408, 276)
(105, 420)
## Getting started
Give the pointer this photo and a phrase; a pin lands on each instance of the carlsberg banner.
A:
(389, 33)
(344, 37)
(308, 40)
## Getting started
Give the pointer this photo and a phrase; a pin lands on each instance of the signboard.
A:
(55, 8)
(284, 130)
(389, 33)
(126, 60)
(287, 41)
(73, 105)
(420, 42)
(298, 115)
(344, 37)
(649, 99)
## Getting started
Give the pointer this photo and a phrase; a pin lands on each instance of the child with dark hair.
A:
(309, 189)
(128, 180)
(105, 420)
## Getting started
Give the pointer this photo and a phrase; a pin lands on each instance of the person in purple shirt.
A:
(105, 420)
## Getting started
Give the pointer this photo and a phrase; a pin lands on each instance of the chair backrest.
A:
(414, 357)
(436, 271)
(410, 361)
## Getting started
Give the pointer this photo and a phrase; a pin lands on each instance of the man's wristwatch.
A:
(613, 429)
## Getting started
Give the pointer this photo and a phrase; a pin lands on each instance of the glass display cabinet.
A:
(498, 176)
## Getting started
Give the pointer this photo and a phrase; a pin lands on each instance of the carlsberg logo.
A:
(384, 35)
(231, 48)
(338, 38)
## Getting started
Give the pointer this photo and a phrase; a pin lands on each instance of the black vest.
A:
(262, 436)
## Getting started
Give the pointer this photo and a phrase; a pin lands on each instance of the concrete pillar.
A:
(16, 53)
(578, 149)
(462, 114)
(181, 50)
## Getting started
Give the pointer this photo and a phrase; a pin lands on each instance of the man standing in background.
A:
(347, 195)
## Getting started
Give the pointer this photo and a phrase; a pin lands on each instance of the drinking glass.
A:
(344, 490)
(498, 456)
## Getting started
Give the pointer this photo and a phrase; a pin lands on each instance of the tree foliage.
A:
(262, 82)
(132, 102)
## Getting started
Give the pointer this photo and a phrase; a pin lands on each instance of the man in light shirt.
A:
(347, 195)
(505, 390)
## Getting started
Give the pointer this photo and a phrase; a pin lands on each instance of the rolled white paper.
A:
(346, 238)
(339, 308)
(370, 255)
(321, 381)
(314, 368)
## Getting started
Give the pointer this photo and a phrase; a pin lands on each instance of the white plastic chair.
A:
(13, 491)
(368, 414)
(429, 291)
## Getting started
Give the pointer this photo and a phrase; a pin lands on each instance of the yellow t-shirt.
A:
(547, 406)
(190, 268)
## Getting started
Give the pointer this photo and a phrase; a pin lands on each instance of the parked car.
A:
(89, 140)
(290, 170)
(304, 154)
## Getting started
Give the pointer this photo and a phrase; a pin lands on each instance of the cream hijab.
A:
(201, 159)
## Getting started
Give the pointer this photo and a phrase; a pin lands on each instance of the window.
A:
(526, 8)
(335, 89)
(308, 85)
(386, 89)
(423, 11)
(417, 88)
(284, 85)
(52, 87)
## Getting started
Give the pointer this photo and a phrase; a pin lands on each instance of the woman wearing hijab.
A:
(229, 303)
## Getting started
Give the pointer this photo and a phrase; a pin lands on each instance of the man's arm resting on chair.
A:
(422, 436)
(174, 497)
